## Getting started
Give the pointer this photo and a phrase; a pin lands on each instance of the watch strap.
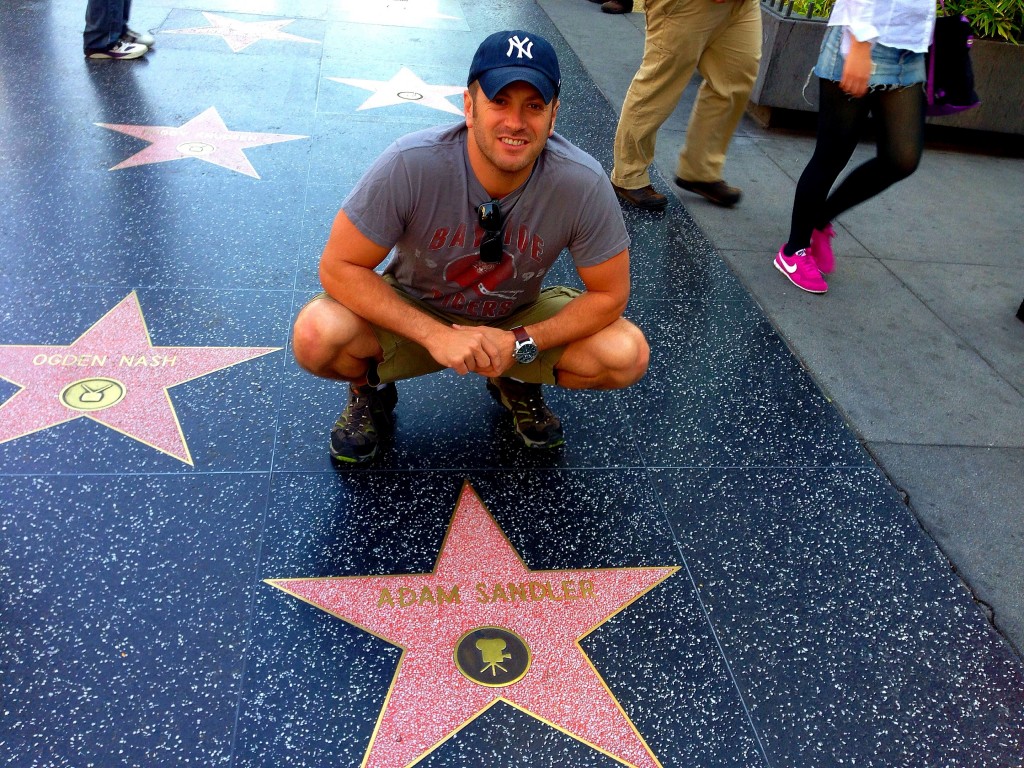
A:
(521, 335)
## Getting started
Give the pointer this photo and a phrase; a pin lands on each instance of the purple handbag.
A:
(950, 86)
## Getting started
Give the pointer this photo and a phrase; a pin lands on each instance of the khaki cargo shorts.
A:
(405, 359)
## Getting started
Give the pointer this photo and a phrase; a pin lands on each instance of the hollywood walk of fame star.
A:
(483, 628)
(111, 374)
(389, 12)
(204, 137)
(239, 35)
(405, 87)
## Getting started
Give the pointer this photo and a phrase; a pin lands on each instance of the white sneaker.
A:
(122, 49)
(142, 38)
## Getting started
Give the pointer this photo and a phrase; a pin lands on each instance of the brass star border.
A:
(482, 628)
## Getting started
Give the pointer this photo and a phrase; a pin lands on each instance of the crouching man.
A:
(474, 215)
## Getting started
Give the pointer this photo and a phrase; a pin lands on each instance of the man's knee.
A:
(629, 354)
(614, 358)
(326, 334)
(309, 333)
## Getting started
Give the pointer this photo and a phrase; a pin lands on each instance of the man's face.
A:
(510, 131)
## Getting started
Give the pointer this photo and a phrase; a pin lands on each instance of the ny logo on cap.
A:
(524, 46)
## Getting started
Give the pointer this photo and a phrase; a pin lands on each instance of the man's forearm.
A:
(584, 316)
(367, 294)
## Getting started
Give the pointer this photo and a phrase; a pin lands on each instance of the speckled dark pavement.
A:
(724, 574)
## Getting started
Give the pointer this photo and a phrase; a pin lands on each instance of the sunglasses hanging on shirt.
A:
(488, 216)
(492, 222)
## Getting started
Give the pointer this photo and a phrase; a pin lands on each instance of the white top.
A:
(904, 24)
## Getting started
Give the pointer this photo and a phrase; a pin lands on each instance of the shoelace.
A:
(533, 403)
(359, 412)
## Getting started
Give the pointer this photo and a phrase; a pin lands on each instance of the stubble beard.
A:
(510, 167)
(492, 154)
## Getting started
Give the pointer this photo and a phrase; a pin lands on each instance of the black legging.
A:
(899, 127)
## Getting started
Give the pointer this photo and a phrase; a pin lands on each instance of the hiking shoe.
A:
(821, 248)
(718, 192)
(142, 38)
(122, 49)
(801, 271)
(645, 197)
(357, 431)
(535, 423)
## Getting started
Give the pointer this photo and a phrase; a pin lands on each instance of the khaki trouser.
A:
(723, 42)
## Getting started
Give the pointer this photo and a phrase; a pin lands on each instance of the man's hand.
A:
(504, 342)
(477, 349)
(857, 69)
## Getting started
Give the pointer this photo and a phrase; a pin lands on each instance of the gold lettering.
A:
(508, 592)
(152, 361)
(549, 593)
(499, 594)
(520, 591)
(448, 597)
(407, 597)
(71, 361)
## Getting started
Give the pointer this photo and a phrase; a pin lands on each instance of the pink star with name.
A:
(483, 628)
(204, 137)
(239, 35)
(111, 374)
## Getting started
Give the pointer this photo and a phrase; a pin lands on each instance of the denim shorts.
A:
(890, 67)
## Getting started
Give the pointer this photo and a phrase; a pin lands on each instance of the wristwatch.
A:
(526, 350)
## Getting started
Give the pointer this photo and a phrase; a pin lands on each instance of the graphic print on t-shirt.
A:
(489, 289)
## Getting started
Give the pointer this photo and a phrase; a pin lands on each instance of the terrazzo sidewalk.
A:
(713, 572)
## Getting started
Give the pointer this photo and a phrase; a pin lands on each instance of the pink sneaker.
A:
(801, 271)
(821, 248)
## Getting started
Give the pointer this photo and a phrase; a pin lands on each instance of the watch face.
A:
(526, 352)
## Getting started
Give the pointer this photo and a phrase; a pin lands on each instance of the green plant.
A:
(992, 19)
(995, 19)
(818, 8)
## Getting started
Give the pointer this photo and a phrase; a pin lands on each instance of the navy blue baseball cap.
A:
(512, 55)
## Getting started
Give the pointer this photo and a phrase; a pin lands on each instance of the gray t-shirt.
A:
(420, 198)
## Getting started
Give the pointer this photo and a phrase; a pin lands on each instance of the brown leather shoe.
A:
(718, 192)
(645, 197)
(617, 6)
